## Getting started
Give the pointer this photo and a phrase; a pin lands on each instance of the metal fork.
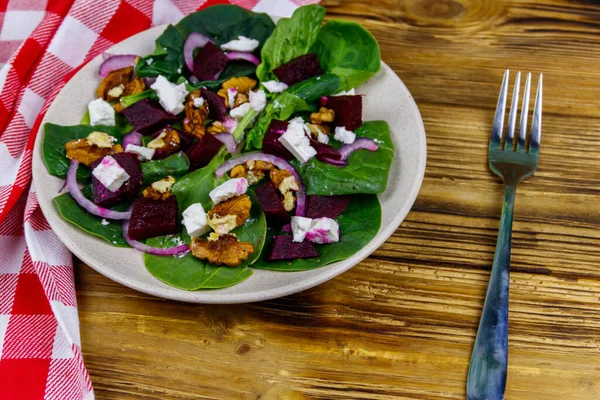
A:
(513, 161)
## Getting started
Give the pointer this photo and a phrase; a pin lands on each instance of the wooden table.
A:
(401, 324)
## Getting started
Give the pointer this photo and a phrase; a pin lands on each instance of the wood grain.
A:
(401, 324)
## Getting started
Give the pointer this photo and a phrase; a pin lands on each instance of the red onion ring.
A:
(227, 139)
(157, 251)
(84, 202)
(336, 163)
(359, 143)
(193, 41)
(240, 55)
(132, 137)
(279, 163)
(116, 62)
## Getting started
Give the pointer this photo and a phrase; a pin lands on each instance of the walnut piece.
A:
(287, 187)
(278, 175)
(242, 85)
(324, 115)
(159, 190)
(114, 79)
(195, 116)
(216, 127)
(288, 201)
(230, 214)
(168, 141)
(253, 171)
(94, 147)
(226, 250)
(315, 129)
(238, 172)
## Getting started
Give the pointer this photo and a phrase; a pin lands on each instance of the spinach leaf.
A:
(348, 50)
(53, 147)
(176, 165)
(314, 88)
(292, 37)
(195, 186)
(221, 23)
(233, 70)
(190, 273)
(359, 223)
(131, 99)
(106, 229)
(366, 172)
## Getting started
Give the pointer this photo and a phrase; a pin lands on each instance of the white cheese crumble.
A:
(117, 91)
(323, 230)
(350, 92)
(198, 102)
(231, 188)
(294, 139)
(143, 153)
(240, 111)
(231, 93)
(170, 96)
(343, 135)
(110, 174)
(195, 221)
(242, 43)
(274, 86)
(300, 225)
(101, 113)
(258, 100)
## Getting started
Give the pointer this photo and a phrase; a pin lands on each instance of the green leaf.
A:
(189, 273)
(175, 165)
(233, 70)
(106, 229)
(366, 172)
(131, 99)
(314, 88)
(293, 37)
(53, 147)
(359, 224)
(348, 50)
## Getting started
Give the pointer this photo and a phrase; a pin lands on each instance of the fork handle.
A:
(489, 360)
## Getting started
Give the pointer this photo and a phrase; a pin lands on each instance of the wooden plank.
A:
(401, 324)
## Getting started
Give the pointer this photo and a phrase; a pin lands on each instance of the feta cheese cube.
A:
(240, 111)
(344, 135)
(242, 43)
(231, 188)
(198, 102)
(195, 220)
(143, 153)
(350, 92)
(300, 225)
(170, 96)
(110, 174)
(101, 113)
(258, 100)
(323, 230)
(294, 139)
(274, 86)
(231, 93)
(101, 139)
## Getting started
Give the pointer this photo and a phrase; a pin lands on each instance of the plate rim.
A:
(212, 296)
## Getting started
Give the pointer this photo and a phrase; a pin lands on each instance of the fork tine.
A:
(536, 126)
(512, 116)
(524, 114)
(499, 117)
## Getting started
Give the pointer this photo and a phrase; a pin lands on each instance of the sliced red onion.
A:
(116, 62)
(240, 55)
(157, 251)
(84, 202)
(331, 161)
(279, 163)
(193, 41)
(132, 137)
(149, 81)
(227, 139)
(359, 143)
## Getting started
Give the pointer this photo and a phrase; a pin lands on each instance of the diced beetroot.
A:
(209, 62)
(287, 228)
(271, 203)
(204, 150)
(150, 218)
(147, 116)
(299, 69)
(103, 196)
(271, 143)
(216, 105)
(185, 140)
(348, 110)
(325, 151)
(284, 248)
(326, 206)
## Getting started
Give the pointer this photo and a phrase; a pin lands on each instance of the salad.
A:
(237, 144)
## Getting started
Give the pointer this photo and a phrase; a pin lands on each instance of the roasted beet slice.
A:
(216, 105)
(150, 218)
(299, 69)
(271, 203)
(325, 151)
(326, 206)
(284, 248)
(204, 150)
(185, 140)
(209, 62)
(147, 116)
(271, 143)
(348, 110)
(103, 196)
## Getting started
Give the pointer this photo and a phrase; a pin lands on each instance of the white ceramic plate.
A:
(387, 99)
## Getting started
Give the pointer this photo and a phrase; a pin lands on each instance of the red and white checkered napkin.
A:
(42, 44)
